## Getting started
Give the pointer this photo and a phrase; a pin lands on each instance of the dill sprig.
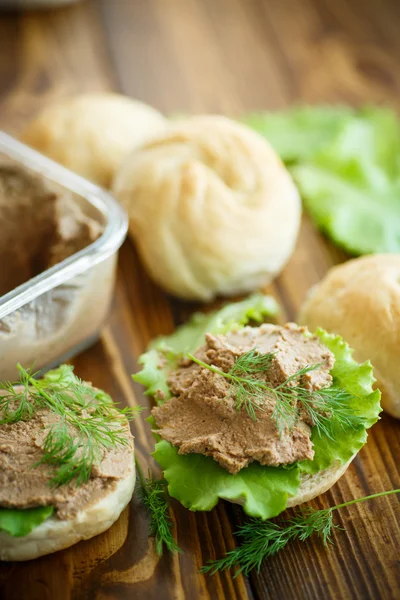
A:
(262, 539)
(250, 391)
(89, 422)
(252, 362)
(153, 495)
(247, 392)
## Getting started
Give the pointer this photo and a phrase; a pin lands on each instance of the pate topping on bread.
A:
(25, 482)
(67, 467)
(63, 443)
(202, 415)
(341, 411)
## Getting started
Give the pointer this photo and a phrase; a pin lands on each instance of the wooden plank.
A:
(45, 56)
(202, 56)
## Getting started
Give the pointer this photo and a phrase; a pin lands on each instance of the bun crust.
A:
(92, 133)
(53, 535)
(360, 300)
(314, 485)
(212, 208)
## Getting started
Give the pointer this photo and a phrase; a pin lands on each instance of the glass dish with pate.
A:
(58, 251)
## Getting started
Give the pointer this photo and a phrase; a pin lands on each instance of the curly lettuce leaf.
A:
(352, 187)
(357, 379)
(154, 373)
(198, 482)
(299, 133)
(346, 165)
(18, 522)
(188, 337)
(163, 353)
(360, 221)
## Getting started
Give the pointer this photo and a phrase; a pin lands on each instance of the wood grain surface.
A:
(224, 56)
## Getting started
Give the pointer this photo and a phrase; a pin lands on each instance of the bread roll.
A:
(212, 209)
(55, 534)
(360, 300)
(92, 133)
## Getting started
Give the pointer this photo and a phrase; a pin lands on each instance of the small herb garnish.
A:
(249, 391)
(262, 539)
(89, 420)
(153, 495)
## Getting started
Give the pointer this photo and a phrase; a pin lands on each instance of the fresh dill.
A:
(249, 393)
(250, 390)
(262, 539)
(88, 423)
(153, 495)
(252, 363)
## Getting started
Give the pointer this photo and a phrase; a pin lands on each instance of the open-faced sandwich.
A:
(67, 466)
(267, 416)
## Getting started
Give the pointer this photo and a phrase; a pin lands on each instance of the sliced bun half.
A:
(55, 534)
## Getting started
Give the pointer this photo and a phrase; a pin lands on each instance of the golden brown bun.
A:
(53, 535)
(91, 133)
(360, 300)
(212, 209)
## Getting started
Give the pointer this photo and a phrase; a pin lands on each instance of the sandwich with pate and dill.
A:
(67, 466)
(263, 415)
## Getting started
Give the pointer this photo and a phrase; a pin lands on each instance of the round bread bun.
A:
(360, 300)
(211, 206)
(55, 534)
(91, 133)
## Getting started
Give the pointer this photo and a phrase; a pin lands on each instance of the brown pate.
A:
(40, 228)
(201, 416)
(24, 485)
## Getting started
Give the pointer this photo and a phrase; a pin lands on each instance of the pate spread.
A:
(40, 228)
(25, 484)
(201, 417)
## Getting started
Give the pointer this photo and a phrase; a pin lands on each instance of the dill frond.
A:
(153, 495)
(252, 362)
(263, 539)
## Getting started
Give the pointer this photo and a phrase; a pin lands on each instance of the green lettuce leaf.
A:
(164, 352)
(299, 133)
(346, 165)
(198, 481)
(352, 187)
(18, 522)
(154, 373)
(360, 221)
(357, 379)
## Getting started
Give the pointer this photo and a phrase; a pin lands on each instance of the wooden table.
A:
(210, 56)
